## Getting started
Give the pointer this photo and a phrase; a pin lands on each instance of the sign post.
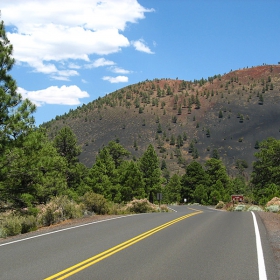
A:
(237, 198)
(159, 198)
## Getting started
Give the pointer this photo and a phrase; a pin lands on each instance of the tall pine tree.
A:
(15, 113)
(149, 165)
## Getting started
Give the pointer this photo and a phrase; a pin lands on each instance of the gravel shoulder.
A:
(271, 222)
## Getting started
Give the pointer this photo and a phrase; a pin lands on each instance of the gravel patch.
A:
(272, 224)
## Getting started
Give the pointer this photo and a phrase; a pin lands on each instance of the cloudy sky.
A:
(70, 52)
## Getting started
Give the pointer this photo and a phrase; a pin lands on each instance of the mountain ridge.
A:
(229, 114)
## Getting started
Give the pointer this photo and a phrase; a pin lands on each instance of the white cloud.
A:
(114, 80)
(74, 66)
(46, 32)
(65, 95)
(119, 70)
(141, 46)
(100, 62)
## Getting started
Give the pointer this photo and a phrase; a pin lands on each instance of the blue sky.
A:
(71, 52)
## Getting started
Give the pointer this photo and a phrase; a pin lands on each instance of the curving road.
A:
(192, 243)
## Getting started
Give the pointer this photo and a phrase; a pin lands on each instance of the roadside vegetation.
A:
(42, 181)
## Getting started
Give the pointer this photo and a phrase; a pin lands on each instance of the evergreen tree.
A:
(191, 147)
(149, 165)
(66, 144)
(180, 141)
(195, 153)
(215, 154)
(15, 114)
(217, 171)
(163, 165)
(174, 119)
(261, 99)
(131, 181)
(33, 172)
(266, 171)
(118, 152)
(166, 174)
(200, 194)
(159, 94)
(172, 140)
(172, 191)
(180, 110)
(257, 145)
(197, 102)
(239, 186)
(102, 176)
(195, 175)
(159, 129)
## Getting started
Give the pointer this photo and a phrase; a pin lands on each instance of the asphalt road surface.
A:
(195, 242)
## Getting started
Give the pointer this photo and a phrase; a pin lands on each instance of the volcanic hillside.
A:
(184, 120)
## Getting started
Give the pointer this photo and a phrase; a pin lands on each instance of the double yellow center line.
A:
(97, 258)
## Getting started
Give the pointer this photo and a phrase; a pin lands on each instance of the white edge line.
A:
(261, 264)
(171, 209)
(64, 229)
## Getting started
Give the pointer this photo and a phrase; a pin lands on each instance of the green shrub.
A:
(96, 203)
(255, 208)
(46, 217)
(28, 223)
(117, 208)
(220, 205)
(141, 206)
(3, 232)
(58, 209)
(240, 208)
(11, 225)
(164, 208)
(273, 208)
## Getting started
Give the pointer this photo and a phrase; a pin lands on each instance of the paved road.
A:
(197, 243)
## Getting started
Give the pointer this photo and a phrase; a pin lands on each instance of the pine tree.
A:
(149, 165)
(118, 152)
(215, 154)
(66, 144)
(33, 172)
(266, 171)
(15, 113)
(261, 99)
(131, 181)
(197, 102)
(172, 191)
(180, 141)
(163, 164)
(172, 140)
(180, 110)
(103, 174)
(194, 176)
